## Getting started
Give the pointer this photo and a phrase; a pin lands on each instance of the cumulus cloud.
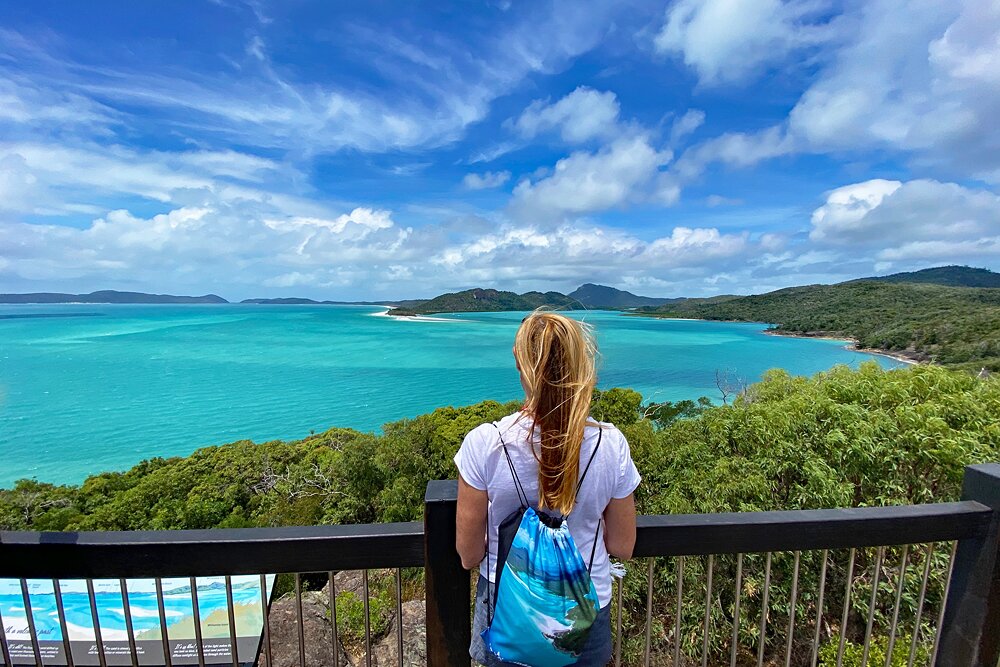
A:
(726, 41)
(580, 116)
(921, 220)
(625, 170)
(485, 180)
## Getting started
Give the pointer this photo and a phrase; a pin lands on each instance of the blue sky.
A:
(399, 150)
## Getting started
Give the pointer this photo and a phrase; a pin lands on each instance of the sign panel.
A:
(108, 605)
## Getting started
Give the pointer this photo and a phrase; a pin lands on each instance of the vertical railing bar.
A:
(30, 617)
(196, 617)
(129, 629)
(3, 644)
(649, 612)
(301, 626)
(944, 598)
(399, 617)
(791, 611)
(63, 627)
(164, 638)
(677, 620)
(871, 604)
(265, 612)
(708, 611)
(920, 603)
(736, 611)
(102, 658)
(230, 608)
(847, 608)
(763, 611)
(618, 623)
(819, 609)
(332, 580)
(900, 584)
(368, 622)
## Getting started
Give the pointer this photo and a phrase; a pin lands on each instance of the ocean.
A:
(87, 388)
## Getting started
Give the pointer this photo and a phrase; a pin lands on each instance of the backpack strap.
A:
(522, 497)
(597, 532)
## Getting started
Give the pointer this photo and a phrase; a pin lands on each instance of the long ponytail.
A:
(555, 355)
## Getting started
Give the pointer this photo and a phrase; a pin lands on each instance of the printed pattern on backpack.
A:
(546, 601)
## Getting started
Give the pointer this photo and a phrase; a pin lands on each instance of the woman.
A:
(550, 442)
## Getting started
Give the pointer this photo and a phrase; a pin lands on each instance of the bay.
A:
(86, 388)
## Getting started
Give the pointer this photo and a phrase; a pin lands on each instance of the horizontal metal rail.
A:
(802, 530)
(115, 554)
(180, 553)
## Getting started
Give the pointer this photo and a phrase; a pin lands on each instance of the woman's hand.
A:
(619, 526)
(470, 522)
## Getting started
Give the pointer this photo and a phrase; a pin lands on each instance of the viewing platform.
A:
(764, 588)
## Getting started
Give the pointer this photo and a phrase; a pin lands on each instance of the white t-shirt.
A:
(483, 466)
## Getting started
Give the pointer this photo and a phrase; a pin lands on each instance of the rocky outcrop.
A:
(386, 652)
(317, 631)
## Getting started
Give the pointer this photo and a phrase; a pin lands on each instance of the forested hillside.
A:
(951, 276)
(480, 300)
(953, 326)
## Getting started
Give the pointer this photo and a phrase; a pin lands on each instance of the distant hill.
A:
(954, 326)
(483, 300)
(953, 276)
(602, 296)
(107, 296)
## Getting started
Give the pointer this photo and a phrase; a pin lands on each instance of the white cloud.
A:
(846, 208)
(926, 86)
(486, 180)
(580, 116)
(731, 40)
(586, 182)
(737, 149)
(685, 125)
(922, 220)
(430, 92)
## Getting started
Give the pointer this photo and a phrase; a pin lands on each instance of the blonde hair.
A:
(556, 357)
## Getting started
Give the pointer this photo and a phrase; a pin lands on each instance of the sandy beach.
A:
(851, 344)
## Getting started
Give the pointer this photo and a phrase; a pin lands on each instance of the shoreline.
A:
(414, 318)
(852, 345)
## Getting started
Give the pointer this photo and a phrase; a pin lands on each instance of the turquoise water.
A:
(87, 388)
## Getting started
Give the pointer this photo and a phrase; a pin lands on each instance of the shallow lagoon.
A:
(101, 387)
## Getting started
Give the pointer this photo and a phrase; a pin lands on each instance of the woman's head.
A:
(555, 356)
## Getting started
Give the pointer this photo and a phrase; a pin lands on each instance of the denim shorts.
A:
(596, 652)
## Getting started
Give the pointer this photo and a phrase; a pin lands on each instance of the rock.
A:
(414, 639)
(317, 631)
(351, 581)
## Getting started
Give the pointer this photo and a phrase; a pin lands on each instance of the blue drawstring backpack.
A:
(546, 601)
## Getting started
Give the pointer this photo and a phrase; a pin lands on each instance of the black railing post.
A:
(448, 590)
(970, 631)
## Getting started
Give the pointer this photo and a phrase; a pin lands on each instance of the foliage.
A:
(853, 653)
(953, 326)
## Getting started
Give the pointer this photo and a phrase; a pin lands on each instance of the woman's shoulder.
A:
(506, 427)
(611, 436)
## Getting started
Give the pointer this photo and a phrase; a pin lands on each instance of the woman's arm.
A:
(471, 524)
(619, 526)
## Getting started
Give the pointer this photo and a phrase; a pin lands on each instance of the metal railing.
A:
(738, 589)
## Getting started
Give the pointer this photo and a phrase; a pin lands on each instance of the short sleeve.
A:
(628, 474)
(469, 460)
